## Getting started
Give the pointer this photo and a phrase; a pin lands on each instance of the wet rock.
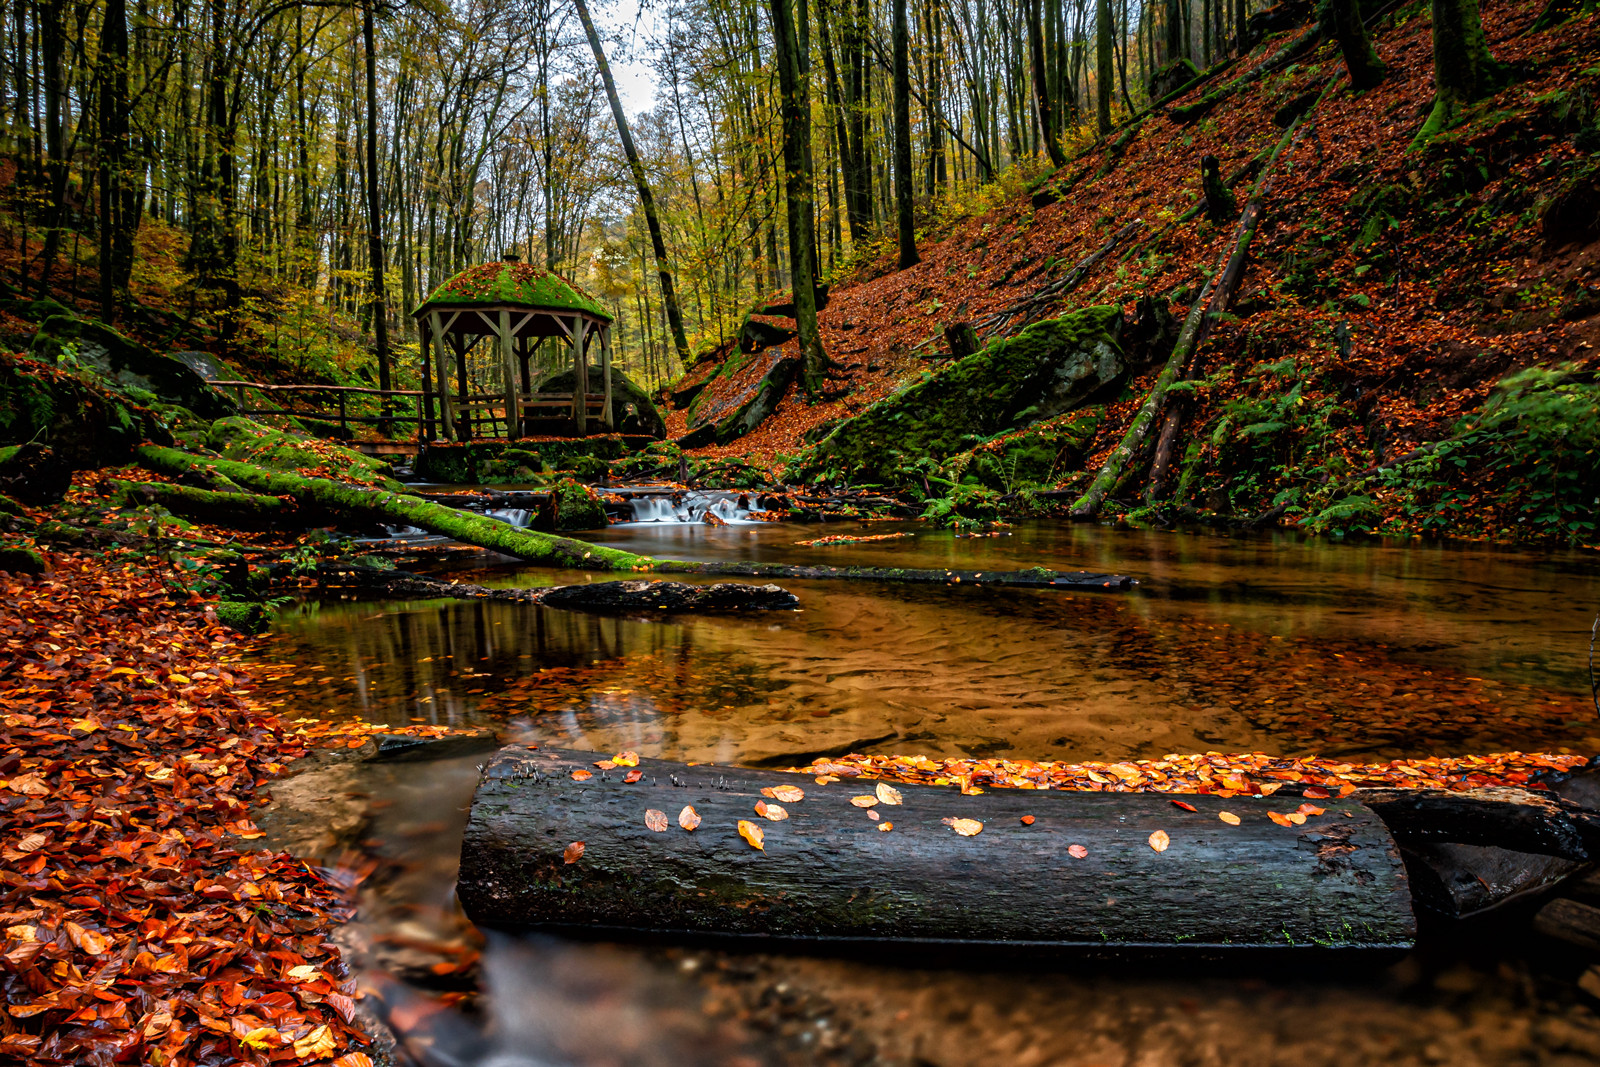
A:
(127, 363)
(744, 391)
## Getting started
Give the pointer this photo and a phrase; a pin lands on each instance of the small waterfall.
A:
(518, 517)
(653, 509)
(691, 506)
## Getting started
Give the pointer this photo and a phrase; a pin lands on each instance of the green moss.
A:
(578, 507)
(77, 417)
(246, 616)
(481, 462)
(1051, 367)
(17, 558)
(247, 441)
(514, 283)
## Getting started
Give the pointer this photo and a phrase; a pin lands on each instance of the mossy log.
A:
(386, 507)
(241, 511)
(828, 872)
(635, 595)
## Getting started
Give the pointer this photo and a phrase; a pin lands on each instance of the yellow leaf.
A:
(824, 779)
(965, 827)
(864, 801)
(688, 818)
(178, 679)
(626, 759)
(20, 933)
(752, 833)
(303, 973)
(1228, 817)
(789, 794)
(263, 1037)
(885, 826)
(87, 726)
(888, 794)
(316, 1045)
(775, 812)
(1159, 841)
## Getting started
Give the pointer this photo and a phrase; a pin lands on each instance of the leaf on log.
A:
(864, 801)
(965, 827)
(572, 852)
(633, 776)
(626, 759)
(582, 775)
(789, 794)
(885, 826)
(688, 818)
(1027, 820)
(656, 820)
(1279, 818)
(1160, 841)
(888, 794)
(1184, 804)
(1228, 817)
(1077, 852)
(775, 812)
(752, 834)
(1309, 809)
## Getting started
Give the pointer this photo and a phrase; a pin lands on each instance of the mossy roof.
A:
(514, 284)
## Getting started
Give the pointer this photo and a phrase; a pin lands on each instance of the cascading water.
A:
(730, 506)
(518, 517)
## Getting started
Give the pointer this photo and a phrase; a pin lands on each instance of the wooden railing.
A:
(342, 393)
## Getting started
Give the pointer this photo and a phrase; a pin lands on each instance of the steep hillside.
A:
(1389, 291)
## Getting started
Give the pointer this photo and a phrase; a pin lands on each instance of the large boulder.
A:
(127, 363)
(84, 425)
(745, 390)
(1051, 367)
(635, 412)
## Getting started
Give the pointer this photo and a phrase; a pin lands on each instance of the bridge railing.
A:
(335, 410)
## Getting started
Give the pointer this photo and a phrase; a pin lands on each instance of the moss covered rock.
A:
(743, 392)
(246, 616)
(126, 363)
(632, 407)
(83, 424)
(18, 558)
(578, 507)
(248, 441)
(1050, 368)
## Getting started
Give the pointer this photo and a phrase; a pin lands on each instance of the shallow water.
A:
(1271, 644)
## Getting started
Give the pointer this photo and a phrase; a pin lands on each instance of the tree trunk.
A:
(1463, 69)
(647, 201)
(829, 872)
(798, 188)
(1049, 126)
(905, 224)
(113, 144)
(1104, 89)
(380, 314)
(1341, 20)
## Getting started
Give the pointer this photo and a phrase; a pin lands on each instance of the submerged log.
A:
(1502, 817)
(637, 595)
(1459, 881)
(1082, 873)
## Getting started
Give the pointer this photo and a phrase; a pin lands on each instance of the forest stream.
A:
(1270, 643)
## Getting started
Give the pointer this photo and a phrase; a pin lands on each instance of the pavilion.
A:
(539, 324)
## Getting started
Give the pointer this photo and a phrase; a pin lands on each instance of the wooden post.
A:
(425, 401)
(344, 427)
(459, 343)
(524, 353)
(605, 372)
(580, 378)
(447, 412)
(508, 377)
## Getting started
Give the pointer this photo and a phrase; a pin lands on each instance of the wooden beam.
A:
(446, 405)
(508, 378)
(580, 377)
(605, 372)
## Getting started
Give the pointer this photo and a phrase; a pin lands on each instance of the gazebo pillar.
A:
(508, 378)
(447, 410)
(462, 396)
(605, 373)
(580, 378)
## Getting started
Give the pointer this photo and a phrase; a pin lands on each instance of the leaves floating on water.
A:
(1160, 841)
(688, 818)
(965, 827)
(850, 539)
(789, 794)
(656, 820)
(775, 812)
(1185, 805)
(582, 775)
(1228, 817)
(1077, 852)
(864, 801)
(752, 833)
(572, 852)
(888, 794)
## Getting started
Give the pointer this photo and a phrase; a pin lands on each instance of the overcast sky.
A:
(635, 80)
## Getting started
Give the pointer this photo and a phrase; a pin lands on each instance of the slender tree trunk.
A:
(1049, 130)
(1104, 77)
(380, 316)
(113, 142)
(902, 138)
(647, 201)
(798, 193)
(52, 45)
(1341, 20)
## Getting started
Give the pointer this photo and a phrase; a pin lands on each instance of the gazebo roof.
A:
(512, 284)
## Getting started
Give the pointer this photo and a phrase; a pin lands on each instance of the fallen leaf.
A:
(965, 827)
(789, 794)
(824, 779)
(633, 776)
(656, 820)
(1160, 841)
(1297, 818)
(1317, 793)
(1280, 818)
(888, 794)
(353, 1059)
(885, 826)
(263, 1037)
(626, 759)
(1077, 852)
(872, 813)
(688, 818)
(1027, 820)
(581, 775)
(572, 852)
(1228, 817)
(32, 843)
(316, 1045)
(864, 801)
(775, 812)
(303, 973)
(95, 944)
(752, 833)
(1309, 809)
(1185, 805)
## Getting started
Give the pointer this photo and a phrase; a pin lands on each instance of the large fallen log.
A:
(1542, 823)
(556, 842)
(1459, 881)
(387, 507)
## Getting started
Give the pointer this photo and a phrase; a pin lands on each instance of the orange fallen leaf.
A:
(1298, 818)
(965, 827)
(582, 775)
(316, 1045)
(752, 834)
(571, 853)
(656, 820)
(885, 826)
(824, 779)
(1280, 818)
(872, 813)
(634, 775)
(1077, 852)
(95, 944)
(775, 812)
(789, 794)
(626, 759)
(888, 794)
(353, 1059)
(1027, 820)
(1317, 793)
(688, 818)
(1228, 817)
(864, 801)
(1309, 809)
(1184, 804)
(1160, 841)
